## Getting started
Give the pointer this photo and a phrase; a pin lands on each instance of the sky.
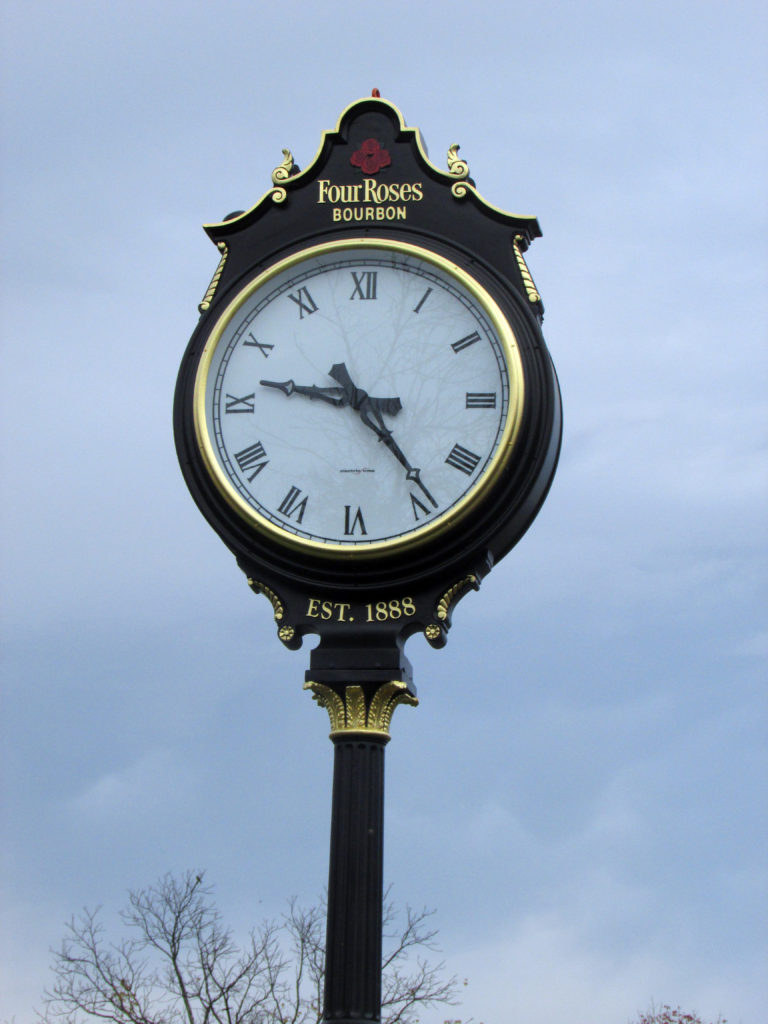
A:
(581, 794)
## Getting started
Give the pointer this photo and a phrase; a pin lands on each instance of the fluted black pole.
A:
(355, 882)
(360, 713)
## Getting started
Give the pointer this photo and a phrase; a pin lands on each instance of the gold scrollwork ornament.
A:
(287, 169)
(261, 588)
(284, 170)
(457, 167)
(286, 633)
(453, 594)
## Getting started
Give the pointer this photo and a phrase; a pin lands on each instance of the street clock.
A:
(368, 416)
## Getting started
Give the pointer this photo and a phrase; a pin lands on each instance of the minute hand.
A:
(411, 473)
(362, 402)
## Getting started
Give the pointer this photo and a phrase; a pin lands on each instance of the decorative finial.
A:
(376, 93)
(285, 170)
(457, 167)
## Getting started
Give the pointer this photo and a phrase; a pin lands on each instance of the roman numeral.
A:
(422, 300)
(245, 404)
(481, 399)
(304, 301)
(365, 285)
(261, 346)
(351, 522)
(416, 505)
(291, 504)
(252, 458)
(463, 343)
(463, 459)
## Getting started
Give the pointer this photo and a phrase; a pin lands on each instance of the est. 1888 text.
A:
(377, 611)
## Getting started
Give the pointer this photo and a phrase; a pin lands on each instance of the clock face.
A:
(357, 397)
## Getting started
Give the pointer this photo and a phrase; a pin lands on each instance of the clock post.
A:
(368, 416)
(359, 715)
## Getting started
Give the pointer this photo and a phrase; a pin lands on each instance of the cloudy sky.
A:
(581, 794)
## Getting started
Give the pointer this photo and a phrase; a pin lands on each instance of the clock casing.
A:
(367, 411)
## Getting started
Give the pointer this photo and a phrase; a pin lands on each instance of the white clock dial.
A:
(357, 395)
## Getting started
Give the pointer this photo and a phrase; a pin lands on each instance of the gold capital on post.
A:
(361, 709)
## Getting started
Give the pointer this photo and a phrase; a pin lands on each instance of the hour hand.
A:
(362, 402)
(335, 396)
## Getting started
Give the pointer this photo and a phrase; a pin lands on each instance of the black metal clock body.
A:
(367, 413)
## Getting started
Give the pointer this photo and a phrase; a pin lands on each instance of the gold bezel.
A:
(429, 530)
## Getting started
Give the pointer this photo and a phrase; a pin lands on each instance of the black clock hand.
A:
(411, 473)
(362, 403)
(333, 395)
(354, 396)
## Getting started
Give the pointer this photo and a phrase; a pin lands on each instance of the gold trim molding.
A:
(261, 588)
(530, 287)
(358, 711)
(436, 632)
(285, 632)
(208, 298)
(453, 594)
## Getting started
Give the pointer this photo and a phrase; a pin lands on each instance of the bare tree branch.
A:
(179, 965)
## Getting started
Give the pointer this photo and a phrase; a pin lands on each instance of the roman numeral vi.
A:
(352, 522)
